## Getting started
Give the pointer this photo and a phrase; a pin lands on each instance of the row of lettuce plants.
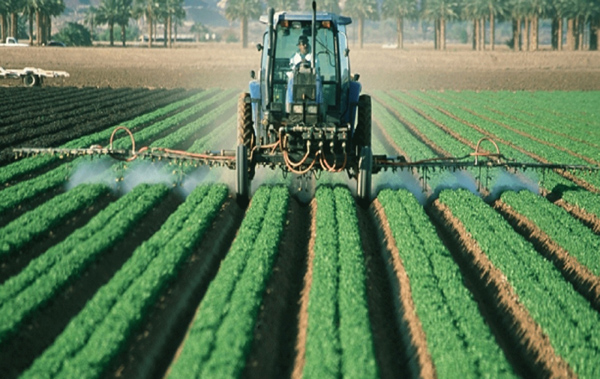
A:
(47, 274)
(434, 133)
(339, 340)
(560, 226)
(27, 165)
(48, 215)
(572, 326)
(98, 333)
(549, 180)
(221, 334)
(504, 115)
(546, 152)
(17, 193)
(458, 338)
(561, 112)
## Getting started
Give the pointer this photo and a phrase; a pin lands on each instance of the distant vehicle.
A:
(31, 76)
(12, 41)
(56, 43)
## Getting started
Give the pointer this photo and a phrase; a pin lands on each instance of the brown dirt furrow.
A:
(305, 295)
(588, 219)
(579, 275)
(40, 330)
(565, 174)
(526, 338)
(412, 333)
(155, 342)
(273, 348)
(382, 296)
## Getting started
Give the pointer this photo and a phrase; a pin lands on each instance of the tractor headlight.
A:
(312, 109)
(297, 108)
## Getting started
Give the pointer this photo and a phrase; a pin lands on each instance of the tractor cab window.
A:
(288, 35)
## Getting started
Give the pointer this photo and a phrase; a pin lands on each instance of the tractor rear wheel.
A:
(362, 134)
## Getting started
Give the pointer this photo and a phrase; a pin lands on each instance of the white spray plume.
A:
(455, 180)
(400, 179)
(145, 172)
(507, 181)
(92, 171)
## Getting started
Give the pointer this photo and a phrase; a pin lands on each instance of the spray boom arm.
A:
(477, 159)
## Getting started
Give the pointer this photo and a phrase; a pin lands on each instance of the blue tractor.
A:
(306, 116)
(301, 114)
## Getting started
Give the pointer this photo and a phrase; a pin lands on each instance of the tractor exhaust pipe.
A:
(314, 35)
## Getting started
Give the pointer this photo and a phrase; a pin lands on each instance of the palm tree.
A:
(440, 11)
(242, 10)
(107, 14)
(13, 7)
(361, 9)
(3, 21)
(476, 11)
(55, 9)
(90, 19)
(173, 9)
(400, 10)
(124, 13)
(29, 11)
(518, 10)
(147, 9)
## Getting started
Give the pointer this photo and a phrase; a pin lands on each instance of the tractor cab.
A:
(304, 112)
(313, 88)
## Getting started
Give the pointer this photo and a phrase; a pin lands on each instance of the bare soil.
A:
(228, 66)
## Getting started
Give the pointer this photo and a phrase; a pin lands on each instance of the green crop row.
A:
(46, 275)
(14, 195)
(38, 221)
(560, 226)
(560, 112)
(546, 152)
(550, 179)
(28, 165)
(505, 115)
(458, 338)
(97, 334)
(572, 326)
(222, 332)
(339, 341)
(412, 146)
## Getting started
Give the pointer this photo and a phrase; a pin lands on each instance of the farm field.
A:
(152, 269)
(140, 269)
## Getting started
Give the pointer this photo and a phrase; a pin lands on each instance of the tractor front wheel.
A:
(245, 125)
(362, 134)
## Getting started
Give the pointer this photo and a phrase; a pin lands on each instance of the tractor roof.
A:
(307, 16)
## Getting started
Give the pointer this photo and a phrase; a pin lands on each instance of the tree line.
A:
(110, 12)
(573, 18)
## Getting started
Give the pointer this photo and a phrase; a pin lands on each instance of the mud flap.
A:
(365, 170)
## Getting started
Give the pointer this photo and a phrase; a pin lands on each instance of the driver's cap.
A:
(303, 40)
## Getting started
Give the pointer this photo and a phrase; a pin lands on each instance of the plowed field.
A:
(143, 270)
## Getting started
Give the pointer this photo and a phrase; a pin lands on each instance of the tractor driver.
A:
(303, 53)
